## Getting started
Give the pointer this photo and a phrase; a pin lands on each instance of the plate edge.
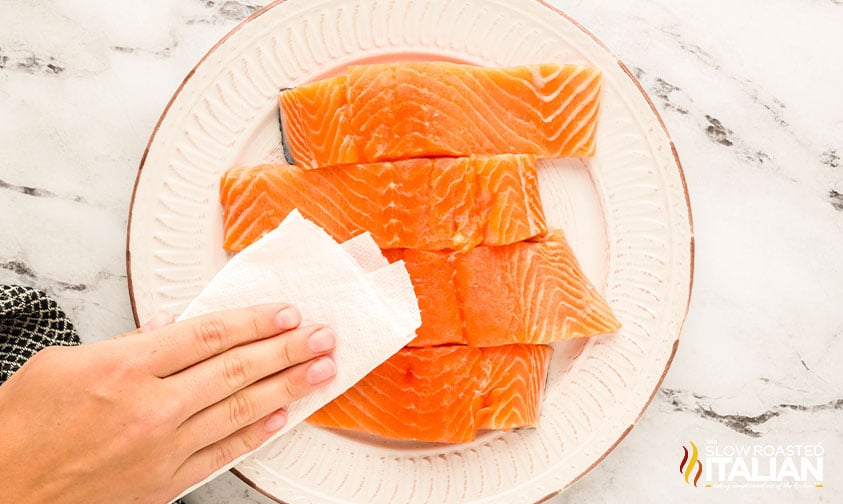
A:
(152, 135)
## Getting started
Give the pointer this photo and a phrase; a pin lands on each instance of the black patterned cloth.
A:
(29, 321)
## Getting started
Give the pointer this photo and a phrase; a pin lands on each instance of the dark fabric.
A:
(29, 321)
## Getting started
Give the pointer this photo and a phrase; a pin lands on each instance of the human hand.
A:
(142, 417)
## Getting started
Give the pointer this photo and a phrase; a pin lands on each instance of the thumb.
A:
(159, 320)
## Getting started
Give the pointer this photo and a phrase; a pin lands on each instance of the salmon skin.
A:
(386, 112)
(526, 292)
(444, 394)
(426, 204)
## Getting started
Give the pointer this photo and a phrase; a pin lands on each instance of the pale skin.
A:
(141, 417)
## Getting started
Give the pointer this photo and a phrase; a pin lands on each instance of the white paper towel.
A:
(369, 303)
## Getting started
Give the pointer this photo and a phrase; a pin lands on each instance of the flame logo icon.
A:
(686, 467)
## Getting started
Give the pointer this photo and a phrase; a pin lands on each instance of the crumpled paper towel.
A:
(369, 303)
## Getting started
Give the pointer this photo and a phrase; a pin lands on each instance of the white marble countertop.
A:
(750, 92)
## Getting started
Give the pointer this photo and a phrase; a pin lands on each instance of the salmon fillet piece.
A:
(307, 132)
(515, 390)
(426, 204)
(434, 280)
(526, 292)
(386, 112)
(444, 394)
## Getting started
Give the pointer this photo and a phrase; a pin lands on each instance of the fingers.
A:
(250, 404)
(221, 376)
(209, 459)
(188, 342)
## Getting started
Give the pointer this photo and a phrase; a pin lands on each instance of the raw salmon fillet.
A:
(306, 131)
(444, 394)
(526, 292)
(387, 112)
(426, 204)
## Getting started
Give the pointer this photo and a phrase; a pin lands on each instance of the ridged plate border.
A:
(174, 230)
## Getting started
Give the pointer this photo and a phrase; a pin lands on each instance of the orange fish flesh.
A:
(387, 112)
(526, 292)
(426, 204)
(444, 394)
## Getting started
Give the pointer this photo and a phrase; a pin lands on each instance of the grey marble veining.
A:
(750, 92)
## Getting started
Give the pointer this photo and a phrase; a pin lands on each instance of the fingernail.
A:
(288, 318)
(275, 421)
(320, 371)
(322, 340)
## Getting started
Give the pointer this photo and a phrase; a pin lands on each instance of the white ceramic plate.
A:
(625, 211)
